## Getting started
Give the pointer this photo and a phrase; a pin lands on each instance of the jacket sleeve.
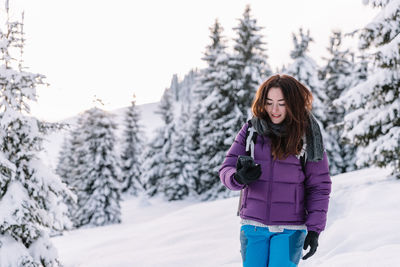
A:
(228, 167)
(317, 189)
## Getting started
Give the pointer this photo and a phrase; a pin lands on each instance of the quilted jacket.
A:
(284, 194)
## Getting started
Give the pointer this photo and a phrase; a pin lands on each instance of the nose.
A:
(275, 107)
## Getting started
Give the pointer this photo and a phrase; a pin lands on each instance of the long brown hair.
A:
(298, 102)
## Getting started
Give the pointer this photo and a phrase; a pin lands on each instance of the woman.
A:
(284, 204)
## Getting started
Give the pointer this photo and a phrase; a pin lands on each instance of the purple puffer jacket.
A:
(283, 195)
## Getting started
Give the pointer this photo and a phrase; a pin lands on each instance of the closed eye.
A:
(269, 104)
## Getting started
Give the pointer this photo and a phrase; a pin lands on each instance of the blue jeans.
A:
(262, 248)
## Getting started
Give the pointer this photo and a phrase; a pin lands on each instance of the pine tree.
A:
(98, 181)
(67, 157)
(249, 62)
(64, 160)
(157, 156)
(187, 87)
(214, 52)
(153, 165)
(175, 87)
(360, 69)
(336, 74)
(305, 70)
(191, 151)
(30, 194)
(358, 74)
(374, 124)
(220, 117)
(176, 186)
(337, 69)
(217, 137)
(132, 149)
(66, 167)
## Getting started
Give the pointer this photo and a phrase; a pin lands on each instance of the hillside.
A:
(361, 230)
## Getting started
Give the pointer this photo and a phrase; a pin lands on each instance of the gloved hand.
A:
(247, 170)
(312, 241)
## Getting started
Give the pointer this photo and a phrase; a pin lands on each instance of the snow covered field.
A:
(362, 230)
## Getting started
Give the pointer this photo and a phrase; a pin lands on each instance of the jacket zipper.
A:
(270, 180)
(296, 192)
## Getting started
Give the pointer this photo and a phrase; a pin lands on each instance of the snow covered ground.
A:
(362, 230)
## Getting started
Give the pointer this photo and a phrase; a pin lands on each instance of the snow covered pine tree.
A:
(229, 83)
(30, 194)
(69, 158)
(217, 114)
(305, 70)
(248, 62)
(177, 186)
(131, 150)
(374, 122)
(157, 155)
(98, 183)
(336, 79)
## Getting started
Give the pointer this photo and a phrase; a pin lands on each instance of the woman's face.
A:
(276, 107)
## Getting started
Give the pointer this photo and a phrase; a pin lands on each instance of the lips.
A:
(275, 116)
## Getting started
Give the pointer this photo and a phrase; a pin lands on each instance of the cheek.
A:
(284, 112)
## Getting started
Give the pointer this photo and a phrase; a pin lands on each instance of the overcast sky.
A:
(113, 49)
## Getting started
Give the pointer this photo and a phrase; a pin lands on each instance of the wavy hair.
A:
(298, 103)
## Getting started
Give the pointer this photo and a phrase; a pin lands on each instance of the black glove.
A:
(247, 170)
(312, 241)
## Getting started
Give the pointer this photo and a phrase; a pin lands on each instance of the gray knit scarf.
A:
(314, 148)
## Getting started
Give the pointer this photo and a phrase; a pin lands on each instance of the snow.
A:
(10, 202)
(361, 230)
(390, 51)
(11, 251)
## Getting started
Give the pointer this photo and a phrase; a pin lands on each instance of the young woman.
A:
(284, 202)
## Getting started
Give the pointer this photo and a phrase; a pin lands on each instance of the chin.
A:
(277, 122)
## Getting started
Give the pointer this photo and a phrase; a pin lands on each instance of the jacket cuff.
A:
(317, 230)
(230, 182)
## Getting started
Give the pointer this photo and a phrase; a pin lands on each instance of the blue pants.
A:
(262, 248)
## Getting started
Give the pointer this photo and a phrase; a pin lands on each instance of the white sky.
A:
(113, 49)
